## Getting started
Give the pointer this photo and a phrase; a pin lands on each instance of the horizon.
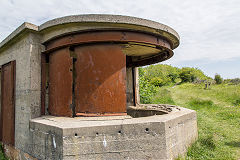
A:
(209, 36)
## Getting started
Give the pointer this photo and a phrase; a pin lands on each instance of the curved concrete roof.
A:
(116, 20)
(170, 33)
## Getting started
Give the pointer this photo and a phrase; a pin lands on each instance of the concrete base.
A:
(120, 137)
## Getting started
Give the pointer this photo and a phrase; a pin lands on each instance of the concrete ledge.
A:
(105, 18)
(101, 21)
(157, 137)
(96, 21)
(25, 26)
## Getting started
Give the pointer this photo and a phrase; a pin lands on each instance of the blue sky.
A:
(209, 29)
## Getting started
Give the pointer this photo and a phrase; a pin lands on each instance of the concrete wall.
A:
(26, 51)
(155, 137)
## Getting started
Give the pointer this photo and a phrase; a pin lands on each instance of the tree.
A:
(186, 75)
(173, 77)
(157, 82)
(218, 79)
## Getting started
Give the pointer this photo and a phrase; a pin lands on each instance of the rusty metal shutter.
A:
(100, 82)
(60, 83)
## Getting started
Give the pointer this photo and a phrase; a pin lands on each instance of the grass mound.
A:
(218, 114)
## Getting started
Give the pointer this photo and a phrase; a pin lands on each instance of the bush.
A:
(163, 75)
(146, 89)
(237, 102)
(157, 82)
(218, 79)
(173, 77)
(186, 75)
(235, 81)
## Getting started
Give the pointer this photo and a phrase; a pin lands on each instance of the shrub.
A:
(173, 77)
(146, 89)
(158, 82)
(235, 81)
(218, 79)
(186, 75)
(237, 102)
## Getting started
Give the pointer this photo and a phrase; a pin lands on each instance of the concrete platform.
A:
(120, 137)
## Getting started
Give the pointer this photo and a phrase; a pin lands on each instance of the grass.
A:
(2, 157)
(218, 113)
(163, 96)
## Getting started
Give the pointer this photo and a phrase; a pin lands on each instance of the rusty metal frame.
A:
(106, 36)
(43, 83)
(13, 82)
(103, 38)
(119, 37)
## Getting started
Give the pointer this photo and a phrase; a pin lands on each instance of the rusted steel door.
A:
(8, 103)
(60, 83)
(100, 82)
(43, 83)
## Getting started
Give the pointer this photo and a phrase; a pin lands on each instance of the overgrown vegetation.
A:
(156, 76)
(218, 109)
(2, 157)
(218, 79)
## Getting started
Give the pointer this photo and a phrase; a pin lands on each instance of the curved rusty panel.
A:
(60, 83)
(100, 79)
(155, 47)
(107, 36)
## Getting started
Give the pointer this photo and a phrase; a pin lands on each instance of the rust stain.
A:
(100, 79)
(107, 36)
(60, 83)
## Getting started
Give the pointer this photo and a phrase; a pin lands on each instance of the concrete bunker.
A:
(74, 83)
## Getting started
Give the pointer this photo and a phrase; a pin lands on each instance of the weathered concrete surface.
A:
(19, 31)
(26, 51)
(101, 21)
(155, 137)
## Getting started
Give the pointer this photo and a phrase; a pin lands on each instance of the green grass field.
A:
(218, 112)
